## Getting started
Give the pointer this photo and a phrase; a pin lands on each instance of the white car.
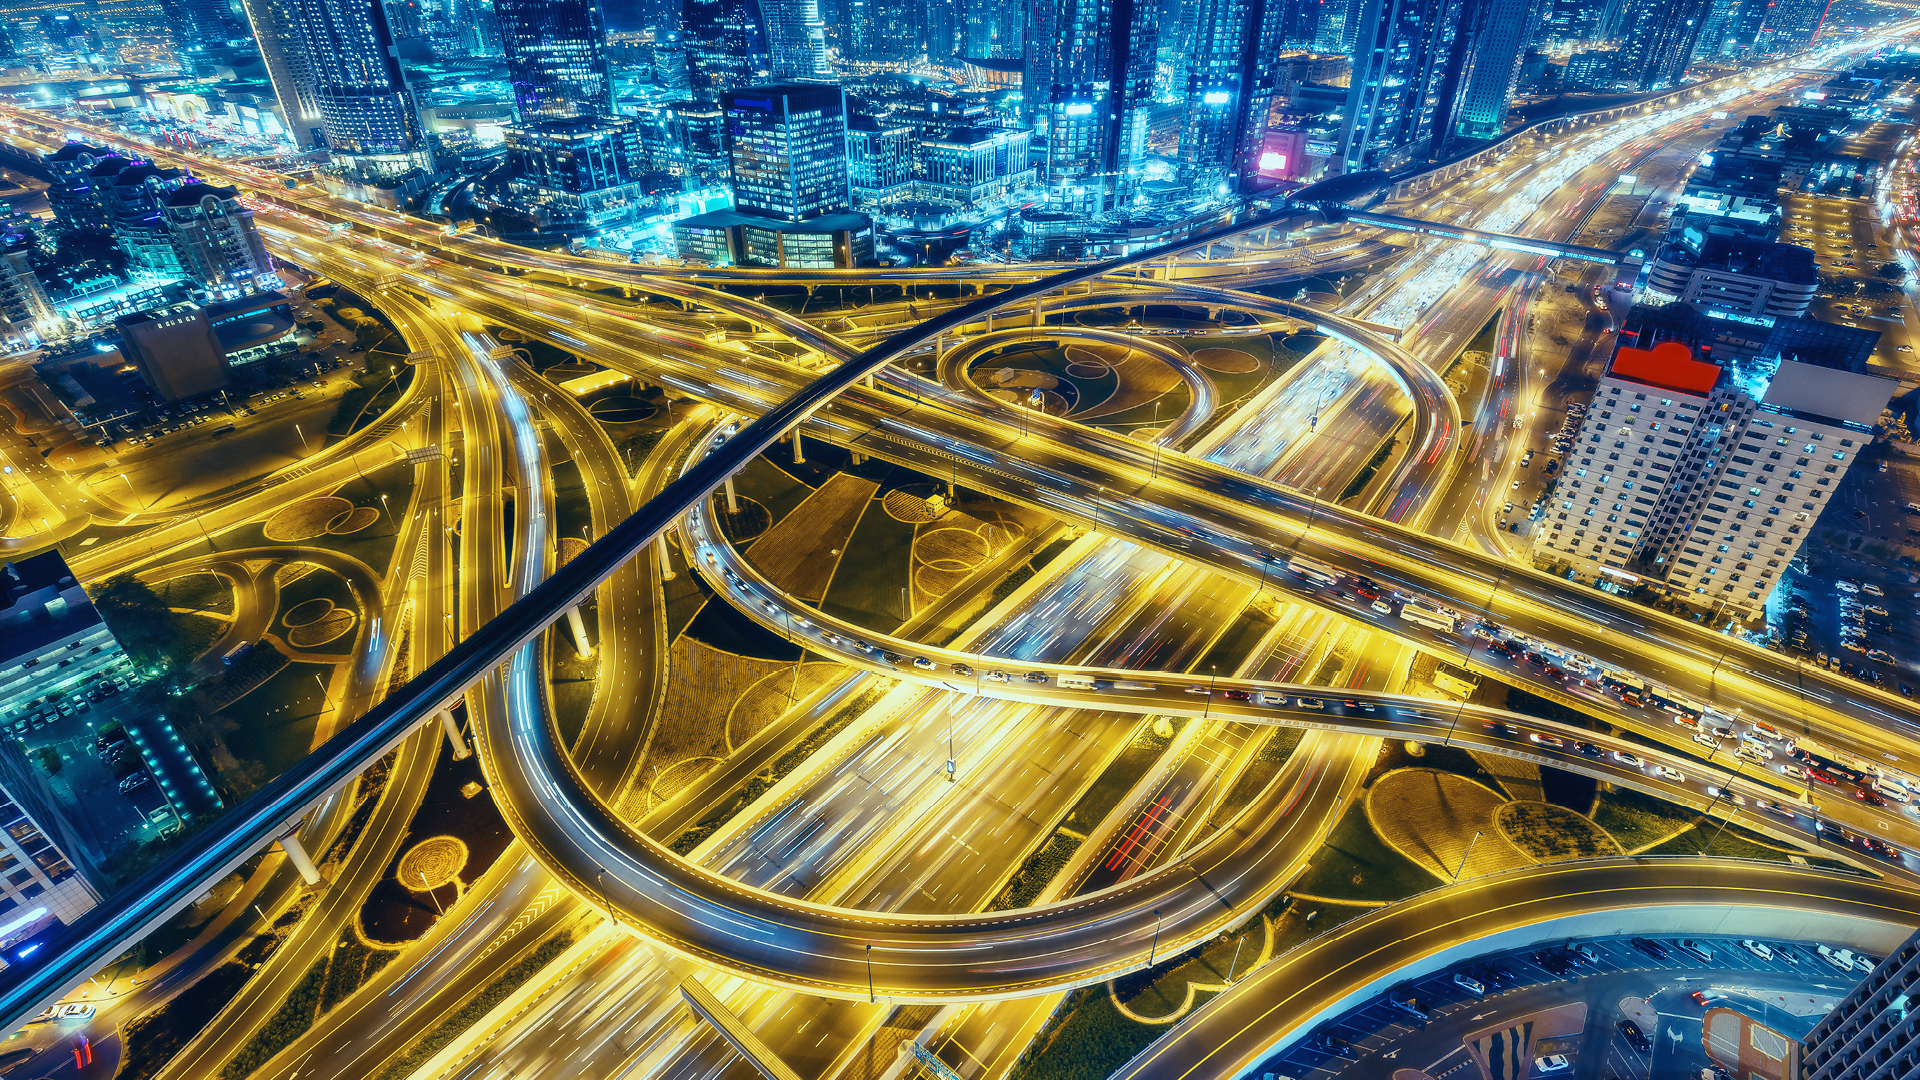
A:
(1625, 758)
(1757, 948)
(1668, 772)
(76, 1010)
(1550, 1064)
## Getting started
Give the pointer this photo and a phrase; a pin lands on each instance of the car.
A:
(997, 676)
(1669, 773)
(1312, 703)
(1236, 695)
(862, 645)
(1587, 748)
(1792, 772)
(963, 669)
(1839, 958)
(1822, 776)
(1470, 984)
(1651, 947)
(923, 663)
(133, 781)
(1382, 607)
(76, 1010)
(1705, 739)
(1634, 1036)
(1547, 740)
(1870, 797)
(1504, 730)
(1550, 1064)
(1872, 590)
(1848, 586)
(1697, 948)
(1626, 758)
(1758, 948)
(1331, 1043)
(1201, 690)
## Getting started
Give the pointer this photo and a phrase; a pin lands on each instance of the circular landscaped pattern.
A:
(432, 862)
(352, 521)
(306, 519)
(1227, 361)
(330, 627)
(307, 611)
(621, 410)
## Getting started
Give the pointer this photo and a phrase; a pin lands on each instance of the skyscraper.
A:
(791, 192)
(1231, 74)
(726, 46)
(796, 38)
(1680, 471)
(556, 58)
(992, 29)
(276, 31)
(1874, 1031)
(1490, 52)
(1399, 78)
(1792, 25)
(367, 111)
(1660, 35)
(789, 150)
(1088, 81)
(877, 30)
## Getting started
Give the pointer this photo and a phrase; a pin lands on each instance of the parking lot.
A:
(1604, 974)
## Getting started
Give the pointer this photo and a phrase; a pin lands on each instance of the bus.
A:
(1678, 705)
(1319, 573)
(237, 653)
(1074, 682)
(1419, 615)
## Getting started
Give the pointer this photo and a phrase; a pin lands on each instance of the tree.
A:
(139, 619)
(1893, 271)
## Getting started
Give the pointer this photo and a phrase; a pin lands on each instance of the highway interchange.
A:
(1204, 506)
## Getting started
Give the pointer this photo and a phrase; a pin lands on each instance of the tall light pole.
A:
(303, 438)
(1469, 854)
(870, 995)
(1155, 947)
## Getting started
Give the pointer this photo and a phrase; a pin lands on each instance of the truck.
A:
(1317, 572)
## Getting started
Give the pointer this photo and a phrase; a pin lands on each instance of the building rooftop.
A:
(189, 194)
(1829, 393)
(1669, 366)
(36, 613)
(724, 219)
(1740, 255)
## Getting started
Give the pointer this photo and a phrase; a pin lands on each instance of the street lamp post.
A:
(303, 438)
(870, 994)
(1155, 947)
(1157, 442)
(1468, 855)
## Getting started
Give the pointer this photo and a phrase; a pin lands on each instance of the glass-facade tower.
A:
(788, 145)
(556, 57)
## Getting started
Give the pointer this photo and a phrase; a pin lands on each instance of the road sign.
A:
(423, 453)
(926, 1057)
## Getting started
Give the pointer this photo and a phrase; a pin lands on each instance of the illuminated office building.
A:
(726, 46)
(581, 173)
(788, 147)
(556, 58)
(367, 113)
(1659, 40)
(1088, 82)
(276, 32)
(1232, 68)
(1396, 103)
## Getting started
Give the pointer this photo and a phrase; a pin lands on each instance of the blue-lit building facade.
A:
(556, 58)
(793, 202)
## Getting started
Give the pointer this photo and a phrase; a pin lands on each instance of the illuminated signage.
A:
(1079, 108)
(1272, 161)
(1217, 97)
(1322, 149)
